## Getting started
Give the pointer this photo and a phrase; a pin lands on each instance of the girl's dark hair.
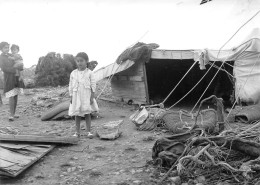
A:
(83, 55)
(15, 46)
(3, 44)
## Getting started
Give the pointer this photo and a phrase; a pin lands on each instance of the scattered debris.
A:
(210, 153)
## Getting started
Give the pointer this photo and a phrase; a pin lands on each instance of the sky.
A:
(105, 28)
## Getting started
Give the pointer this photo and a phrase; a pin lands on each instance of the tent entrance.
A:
(164, 74)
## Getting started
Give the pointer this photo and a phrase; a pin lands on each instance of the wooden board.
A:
(129, 90)
(38, 139)
(172, 54)
(129, 84)
(183, 54)
(14, 159)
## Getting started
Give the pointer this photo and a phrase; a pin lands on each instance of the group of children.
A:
(82, 85)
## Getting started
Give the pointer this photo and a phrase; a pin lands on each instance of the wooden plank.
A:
(38, 139)
(129, 90)
(136, 78)
(172, 54)
(20, 161)
(122, 77)
(184, 54)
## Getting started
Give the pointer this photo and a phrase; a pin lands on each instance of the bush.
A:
(54, 70)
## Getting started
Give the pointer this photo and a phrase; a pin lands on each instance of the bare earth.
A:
(91, 161)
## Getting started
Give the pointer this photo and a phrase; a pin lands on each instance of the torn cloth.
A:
(140, 51)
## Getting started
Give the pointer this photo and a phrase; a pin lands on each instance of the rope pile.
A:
(232, 156)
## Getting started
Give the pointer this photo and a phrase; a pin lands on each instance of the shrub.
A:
(54, 70)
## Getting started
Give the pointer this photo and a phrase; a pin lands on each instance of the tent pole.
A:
(146, 84)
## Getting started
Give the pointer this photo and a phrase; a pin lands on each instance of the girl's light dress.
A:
(81, 83)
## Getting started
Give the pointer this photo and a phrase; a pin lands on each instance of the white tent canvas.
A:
(246, 69)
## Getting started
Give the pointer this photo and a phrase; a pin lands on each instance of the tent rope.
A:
(217, 67)
(192, 88)
(238, 30)
(109, 80)
(178, 83)
(226, 58)
(208, 86)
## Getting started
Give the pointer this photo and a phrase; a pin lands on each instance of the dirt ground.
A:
(91, 161)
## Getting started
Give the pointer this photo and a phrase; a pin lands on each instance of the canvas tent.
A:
(150, 81)
(246, 67)
(146, 82)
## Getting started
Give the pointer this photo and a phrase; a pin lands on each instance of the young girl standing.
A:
(82, 87)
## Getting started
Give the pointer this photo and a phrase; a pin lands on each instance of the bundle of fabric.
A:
(181, 121)
(229, 155)
(145, 118)
(60, 111)
(140, 51)
(185, 126)
(54, 111)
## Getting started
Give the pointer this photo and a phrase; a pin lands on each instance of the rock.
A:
(176, 180)
(137, 182)
(69, 170)
(30, 179)
(199, 184)
(73, 169)
(185, 183)
(74, 158)
(132, 171)
(40, 103)
(139, 170)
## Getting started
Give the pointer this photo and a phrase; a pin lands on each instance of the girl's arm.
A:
(93, 86)
(70, 84)
(92, 82)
